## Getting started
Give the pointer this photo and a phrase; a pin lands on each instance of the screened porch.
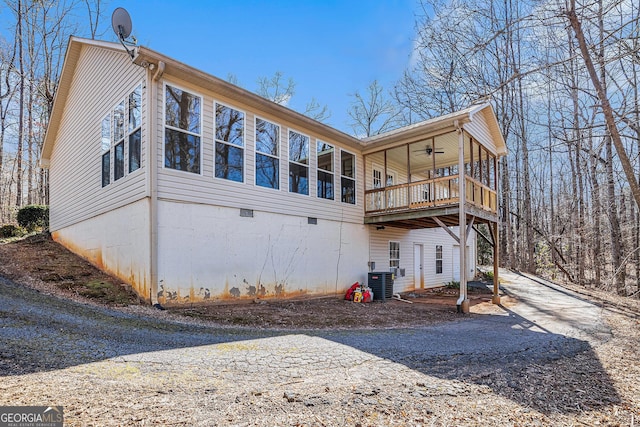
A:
(413, 183)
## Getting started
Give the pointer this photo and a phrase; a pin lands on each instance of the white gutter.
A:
(153, 183)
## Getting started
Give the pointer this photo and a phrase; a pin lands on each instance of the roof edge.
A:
(74, 46)
(216, 84)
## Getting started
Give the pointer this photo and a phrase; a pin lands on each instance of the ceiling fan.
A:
(429, 150)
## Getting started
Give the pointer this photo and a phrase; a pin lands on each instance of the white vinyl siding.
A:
(479, 130)
(76, 159)
(379, 253)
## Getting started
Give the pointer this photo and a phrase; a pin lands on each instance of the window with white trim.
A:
(135, 129)
(118, 141)
(182, 130)
(121, 135)
(348, 177)
(438, 259)
(267, 154)
(394, 254)
(324, 160)
(105, 145)
(229, 135)
(298, 163)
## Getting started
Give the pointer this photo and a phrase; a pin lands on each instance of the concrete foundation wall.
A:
(116, 242)
(210, 252)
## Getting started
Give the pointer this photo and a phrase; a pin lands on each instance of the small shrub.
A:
(453, 285)
(10, 230)
(33, 217)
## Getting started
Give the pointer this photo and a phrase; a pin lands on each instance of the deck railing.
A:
(428, 193)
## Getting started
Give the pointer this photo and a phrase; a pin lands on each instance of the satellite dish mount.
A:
(121, 24)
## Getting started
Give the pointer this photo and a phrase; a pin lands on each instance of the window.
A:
(325, 169)
(121, 138)
(182, 130)
(118, 141)
(438, 259)
(267, 154)
(135, 145)
(105, 141)
(377, 178)
(394, 254)
(105, 145)
(118, 161)
(135, 122)
(106, 168)
(298, 163)
(229, 143)
(348, 178)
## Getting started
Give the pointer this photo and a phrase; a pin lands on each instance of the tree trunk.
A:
(607, 110)
(19, 153)
(596, 213)
(614, 223)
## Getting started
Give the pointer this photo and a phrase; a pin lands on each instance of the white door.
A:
(377, 183)
(418, 270)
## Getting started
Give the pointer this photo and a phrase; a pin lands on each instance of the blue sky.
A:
(330, 48)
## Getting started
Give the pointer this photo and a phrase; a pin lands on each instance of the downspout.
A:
(153, 185)
(463, 301)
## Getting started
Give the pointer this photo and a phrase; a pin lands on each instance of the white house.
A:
(190, 188)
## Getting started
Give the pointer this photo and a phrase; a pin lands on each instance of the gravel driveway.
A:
(110, 367)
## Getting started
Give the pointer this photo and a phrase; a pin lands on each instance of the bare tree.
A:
(19, 40)
(276, 89)
(374, 112)
(316, 111)
(600, 88)
(599, 81)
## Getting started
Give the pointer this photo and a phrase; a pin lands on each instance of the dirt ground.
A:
(39, 262)
(598, 386)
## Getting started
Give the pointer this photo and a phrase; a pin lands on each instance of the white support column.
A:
(463, 301)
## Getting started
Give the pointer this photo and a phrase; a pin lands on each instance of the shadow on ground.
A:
(514, 357)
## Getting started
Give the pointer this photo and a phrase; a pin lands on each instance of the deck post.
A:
(463, 301)
(495, 299)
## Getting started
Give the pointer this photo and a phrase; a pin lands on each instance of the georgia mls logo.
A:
(31, 416)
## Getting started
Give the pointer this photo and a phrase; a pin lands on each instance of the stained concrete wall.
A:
(116, 241)
(208, 252)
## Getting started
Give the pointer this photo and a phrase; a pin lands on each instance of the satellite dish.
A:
(121, 24)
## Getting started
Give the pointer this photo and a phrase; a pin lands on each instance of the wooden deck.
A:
(417, 204)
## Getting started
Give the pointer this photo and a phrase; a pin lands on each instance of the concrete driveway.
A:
(109, 367)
